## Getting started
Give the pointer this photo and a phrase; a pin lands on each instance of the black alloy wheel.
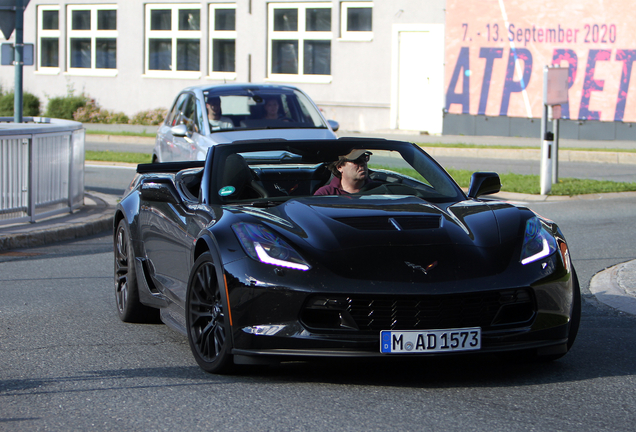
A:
(129, 308)
(207, 322)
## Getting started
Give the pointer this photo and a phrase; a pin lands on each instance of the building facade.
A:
(132, 55)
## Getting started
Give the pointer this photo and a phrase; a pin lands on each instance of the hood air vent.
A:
(399, 223)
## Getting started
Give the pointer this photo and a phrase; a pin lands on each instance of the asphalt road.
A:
(68, 363)
(107, 179)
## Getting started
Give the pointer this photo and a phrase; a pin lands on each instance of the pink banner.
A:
(496, 52)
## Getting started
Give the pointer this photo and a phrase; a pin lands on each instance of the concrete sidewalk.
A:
(94, 217)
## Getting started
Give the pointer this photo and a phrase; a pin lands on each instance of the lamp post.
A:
(19, 47)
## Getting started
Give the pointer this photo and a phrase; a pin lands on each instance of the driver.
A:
(350, 174)
(217, 121)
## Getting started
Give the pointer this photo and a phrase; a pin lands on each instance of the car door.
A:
(168, 145)
(169, 224)
(196, 121)
(183, 143)
(191, 117)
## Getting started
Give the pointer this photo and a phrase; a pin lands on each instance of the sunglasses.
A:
(361, 160)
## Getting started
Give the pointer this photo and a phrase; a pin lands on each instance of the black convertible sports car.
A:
(239, 254)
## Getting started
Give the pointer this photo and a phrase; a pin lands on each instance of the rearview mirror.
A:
(179, 130)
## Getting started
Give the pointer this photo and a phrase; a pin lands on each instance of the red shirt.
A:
(335, 187)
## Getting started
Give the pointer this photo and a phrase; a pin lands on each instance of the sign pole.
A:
(19, 45)
(546, 142)
(547, 154)
(555, 93)
(556, 115)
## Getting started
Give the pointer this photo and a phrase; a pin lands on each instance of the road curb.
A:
(88, 220)
(608, 288)
(53, 235)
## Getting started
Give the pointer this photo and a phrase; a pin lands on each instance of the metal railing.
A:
(41, 168)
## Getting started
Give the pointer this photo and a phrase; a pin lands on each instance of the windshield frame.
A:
(311, 159)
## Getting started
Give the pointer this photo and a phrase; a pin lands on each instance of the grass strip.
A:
(122, 133)
(111, 156)
(531, 184)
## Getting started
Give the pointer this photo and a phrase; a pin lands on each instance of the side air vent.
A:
(399, 223)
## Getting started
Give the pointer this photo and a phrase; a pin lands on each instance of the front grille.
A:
(392, 222)
(374, 313)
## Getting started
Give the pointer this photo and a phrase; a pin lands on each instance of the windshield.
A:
(248, 109)
(277, 174)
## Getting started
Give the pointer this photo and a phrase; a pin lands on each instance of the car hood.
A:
(284, 133)
(373, 236)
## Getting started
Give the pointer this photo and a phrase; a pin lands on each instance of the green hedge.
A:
(63, 107)
(30, 105)
(86, 110)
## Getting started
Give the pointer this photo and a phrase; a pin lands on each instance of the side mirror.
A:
(484, 183)
(152, 190)
(334, 125)
(179, 130)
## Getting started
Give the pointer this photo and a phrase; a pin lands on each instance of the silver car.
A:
(203, 116)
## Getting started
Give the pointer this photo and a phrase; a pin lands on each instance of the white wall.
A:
(358, 96)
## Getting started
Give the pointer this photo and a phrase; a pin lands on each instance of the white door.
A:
(420, 79)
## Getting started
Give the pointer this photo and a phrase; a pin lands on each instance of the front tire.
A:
(129, 308)
(207, 320)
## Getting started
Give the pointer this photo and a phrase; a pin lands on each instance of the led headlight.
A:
(538, 242)
(263, 245)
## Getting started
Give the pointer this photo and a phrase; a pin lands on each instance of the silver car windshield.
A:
(262, 110)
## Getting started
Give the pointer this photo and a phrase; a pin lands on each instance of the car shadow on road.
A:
(605, 347)
(587, 360)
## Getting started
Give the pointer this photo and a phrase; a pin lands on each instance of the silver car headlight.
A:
(263, 245)
(538, 242)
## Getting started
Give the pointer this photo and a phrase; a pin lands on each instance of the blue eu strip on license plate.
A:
(426, 341)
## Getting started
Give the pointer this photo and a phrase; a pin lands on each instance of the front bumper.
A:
(274, 313)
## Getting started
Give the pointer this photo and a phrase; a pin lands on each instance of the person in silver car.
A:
(217, 121)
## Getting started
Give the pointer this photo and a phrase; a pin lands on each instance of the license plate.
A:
(429, 341)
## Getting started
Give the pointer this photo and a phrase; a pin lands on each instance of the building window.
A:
(48, 48)
(223, 40)
(300, 41)
(356, 21)
(92, 39)
(173, 40)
